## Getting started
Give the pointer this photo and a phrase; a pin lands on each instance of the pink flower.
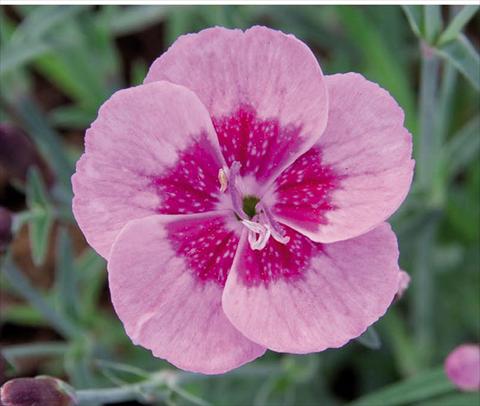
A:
(239, 196)
(462, 367)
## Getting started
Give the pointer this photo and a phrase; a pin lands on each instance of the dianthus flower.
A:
(239, 196)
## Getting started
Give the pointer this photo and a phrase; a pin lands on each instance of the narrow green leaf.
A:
(458, 399)
(379, 59)
(414, 16)
(432, 23)
(25, 289)
(66, 283)
(46, 139)
(421, 387)
(41, 220)
(370, 339)
(36, 191)
(461, 54)
(463, 148)
(29, 42)
(90, 268)
(456, 26)
(22, 314)
(126, 20)
(45, 349)
(71, 117)
(42, 19)
(11, 60)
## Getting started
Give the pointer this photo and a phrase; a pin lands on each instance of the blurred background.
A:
(58, 64)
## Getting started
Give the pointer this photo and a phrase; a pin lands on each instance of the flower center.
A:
(251, 211)
(249, 203)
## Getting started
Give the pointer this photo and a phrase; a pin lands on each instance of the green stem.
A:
(423, 289)
(428, 88)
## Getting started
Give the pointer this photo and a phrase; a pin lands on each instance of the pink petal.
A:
(152, 149)
(264, 90)
(463, 367)
(166, 288)
(357, 174)
(304, 297)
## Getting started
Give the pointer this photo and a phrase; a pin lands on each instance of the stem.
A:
(428, 87)
(151, 388)
(423, 289)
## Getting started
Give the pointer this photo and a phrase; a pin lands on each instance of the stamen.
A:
(233, 175)
(222, 178)
(254, 228)
(277, 231)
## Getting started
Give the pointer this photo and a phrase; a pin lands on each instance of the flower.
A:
(462, 367)
(239, 196)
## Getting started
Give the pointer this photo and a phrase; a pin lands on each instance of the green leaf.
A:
(46, 139)
(458, 399)
(41, 220)
(414, 16)
(463, 147)
(25, 289)
(43, 19)
(380, 59)
(370, 339)
(11, 60)
(28, 41)
(461, 54)
(90, 268)
(22, 314)
(66, 283)
(126, 20)
(421, 387)
(432, 23)
(13, 352)
(71, 117)
(456, 26)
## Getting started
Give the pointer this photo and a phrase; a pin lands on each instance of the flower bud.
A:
(40, 391)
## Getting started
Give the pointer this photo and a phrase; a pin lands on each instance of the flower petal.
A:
(152, 149)
(264, 90)
(463, 367)
(357, 174)
(166, 276)
(304, 296)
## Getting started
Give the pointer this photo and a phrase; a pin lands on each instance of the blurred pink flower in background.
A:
(239, 196)
(462, 367)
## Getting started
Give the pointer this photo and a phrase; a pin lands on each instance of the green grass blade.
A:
(459, 22)
(421, 387)
(461, 54)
